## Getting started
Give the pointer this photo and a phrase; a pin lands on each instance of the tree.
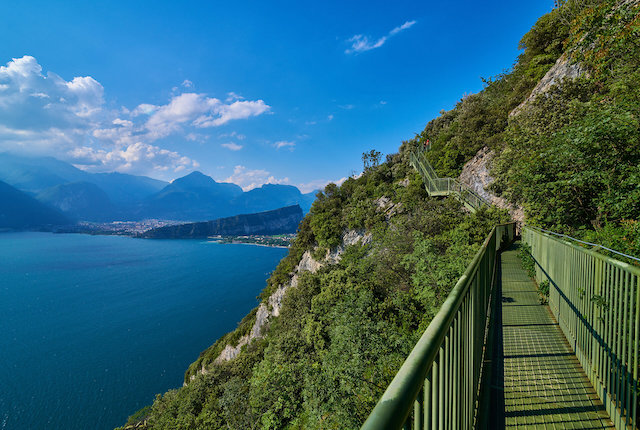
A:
(371, 159)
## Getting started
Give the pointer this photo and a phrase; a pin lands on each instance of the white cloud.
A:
(136, 158)
(187, 83)
(222, 113)
(285, 144)
(231, 97)
(330, 117)
(249, 179)
(233, 134)
(404, 26)
(362, 43)
(232, 146)
(43, 114)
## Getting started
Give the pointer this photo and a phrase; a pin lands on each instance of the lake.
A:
(92, 327)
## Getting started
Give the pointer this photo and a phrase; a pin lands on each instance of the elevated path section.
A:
(440, 187)
(494, 357)
(536, 379)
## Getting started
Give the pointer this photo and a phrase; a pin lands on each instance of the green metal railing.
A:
(436, 186)
(596, 301)
(438, 384)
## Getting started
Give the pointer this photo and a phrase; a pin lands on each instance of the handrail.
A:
(631, 257)
(439, 381)
(445, 186)
(596, 301)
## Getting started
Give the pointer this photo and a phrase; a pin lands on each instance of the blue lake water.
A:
(92, 327)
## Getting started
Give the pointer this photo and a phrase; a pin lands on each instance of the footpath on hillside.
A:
(536, 380)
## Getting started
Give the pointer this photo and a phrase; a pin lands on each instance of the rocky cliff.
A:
(280, 221)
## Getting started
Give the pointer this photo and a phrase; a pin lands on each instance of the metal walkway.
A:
(536, 379)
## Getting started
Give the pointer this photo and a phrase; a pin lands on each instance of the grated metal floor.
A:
(536, 380)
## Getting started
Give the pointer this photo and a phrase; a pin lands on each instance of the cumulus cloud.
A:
(249, 179)
(232, 146)
(362, 43)
(285, 144)
(44, 114)
(132, 159)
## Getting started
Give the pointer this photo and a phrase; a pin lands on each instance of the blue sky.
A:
(249, 92)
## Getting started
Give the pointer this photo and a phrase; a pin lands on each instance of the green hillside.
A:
(342, 314)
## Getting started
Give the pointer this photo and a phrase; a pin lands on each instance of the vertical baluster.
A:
(441, 385)
(426, 398)
(617, 336)
(636, 352)
(608, 322)
(623, 345)
(418, 406)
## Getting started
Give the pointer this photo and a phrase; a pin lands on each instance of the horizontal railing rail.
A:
(444, 186)
(596, 301)
(438, 384)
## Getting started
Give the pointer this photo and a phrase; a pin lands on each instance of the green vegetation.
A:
(347, 327)
(570, 157)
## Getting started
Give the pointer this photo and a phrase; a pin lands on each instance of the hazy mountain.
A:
(36, 174)
(272, 196)
(117, 196)
(279, 221)
(21, 211)
(192, 197)
(81, 200)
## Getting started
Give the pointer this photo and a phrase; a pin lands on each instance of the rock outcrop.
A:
(273, 305)
(476, 175)
(564, 68)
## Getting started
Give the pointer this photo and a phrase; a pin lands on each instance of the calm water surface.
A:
(92, 327)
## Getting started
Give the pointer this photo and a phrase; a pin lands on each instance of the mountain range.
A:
(103, 197)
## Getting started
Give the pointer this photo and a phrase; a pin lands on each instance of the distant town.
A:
(136, 228)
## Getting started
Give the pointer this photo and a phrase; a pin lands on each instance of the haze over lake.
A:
(92, 327)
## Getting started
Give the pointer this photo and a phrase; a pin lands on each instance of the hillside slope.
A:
(20, 211)
(562, 128)
(375, 258)
(280, 221)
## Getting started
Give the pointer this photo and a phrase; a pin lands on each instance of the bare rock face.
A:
(475, 174)
(274, 302)
(563, 69)
(350, 237)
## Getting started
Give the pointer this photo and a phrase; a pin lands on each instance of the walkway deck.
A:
(536, 380)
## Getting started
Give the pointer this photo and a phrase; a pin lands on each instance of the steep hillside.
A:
(560, 132)
(370, 266)
(280, 221)
(374, 259)
(20, 211)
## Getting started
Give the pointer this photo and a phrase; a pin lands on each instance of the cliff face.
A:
(476, 174)
(280, 221)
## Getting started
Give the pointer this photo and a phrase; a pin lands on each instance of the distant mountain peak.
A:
(195, 179)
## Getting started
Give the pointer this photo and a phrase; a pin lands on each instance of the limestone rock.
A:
(564, 68)
(476, 175)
